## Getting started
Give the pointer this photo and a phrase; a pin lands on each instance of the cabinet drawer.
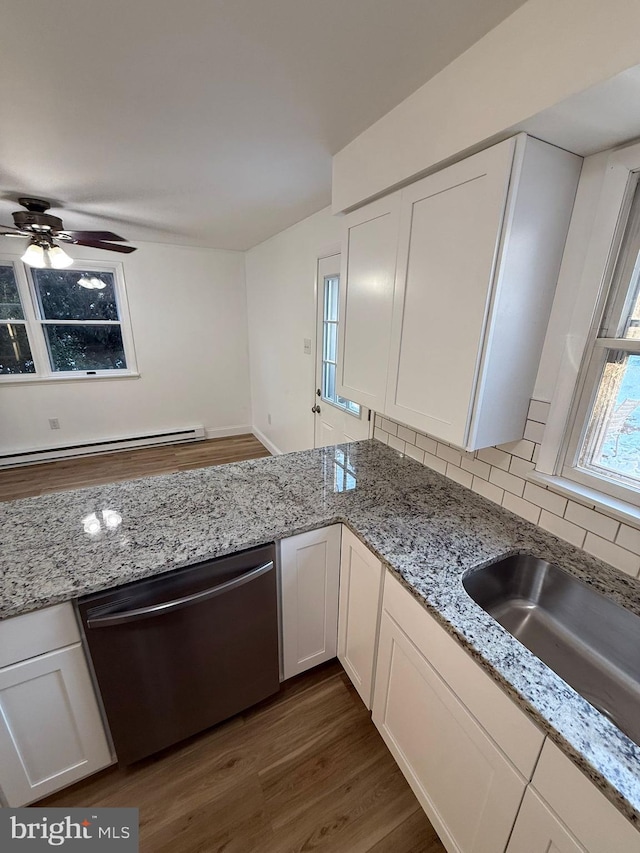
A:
(514, 733)
(32, 634)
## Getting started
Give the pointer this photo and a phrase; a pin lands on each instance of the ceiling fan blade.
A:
(4, 233)
(111, 247)
(93, 235)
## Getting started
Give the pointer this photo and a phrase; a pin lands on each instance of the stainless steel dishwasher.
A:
(177, 653)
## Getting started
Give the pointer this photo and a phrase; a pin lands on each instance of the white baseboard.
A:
(273, 450)
(222, 432)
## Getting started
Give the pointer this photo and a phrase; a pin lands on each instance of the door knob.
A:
(315, 410)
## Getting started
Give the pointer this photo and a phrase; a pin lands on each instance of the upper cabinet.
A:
(370, 243)
(479, 246)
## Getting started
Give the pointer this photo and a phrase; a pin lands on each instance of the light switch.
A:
(307, 346)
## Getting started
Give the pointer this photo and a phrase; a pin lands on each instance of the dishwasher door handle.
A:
(158, 609)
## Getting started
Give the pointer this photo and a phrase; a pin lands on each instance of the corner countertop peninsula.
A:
(428, 530)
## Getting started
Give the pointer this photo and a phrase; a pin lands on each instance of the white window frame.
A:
(339, 402)
(35, 327)
(600, 218)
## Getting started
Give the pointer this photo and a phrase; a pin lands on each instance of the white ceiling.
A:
(206, 122)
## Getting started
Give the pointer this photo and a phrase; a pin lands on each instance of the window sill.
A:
(81, 377)
(613, 507)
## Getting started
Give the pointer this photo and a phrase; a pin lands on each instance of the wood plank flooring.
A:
(303, 771)
(31, 480)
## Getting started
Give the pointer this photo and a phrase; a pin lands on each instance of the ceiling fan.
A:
(45, 231)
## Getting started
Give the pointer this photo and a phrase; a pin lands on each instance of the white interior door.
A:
(337, 419)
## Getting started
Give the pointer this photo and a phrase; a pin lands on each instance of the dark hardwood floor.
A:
(29, 480)
(303, 771)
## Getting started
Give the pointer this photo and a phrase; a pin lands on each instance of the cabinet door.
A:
(360, 594)
(369, 246)
(538, 830)
(450, 232)
(309, 571)
(51, 733)
(468, 789)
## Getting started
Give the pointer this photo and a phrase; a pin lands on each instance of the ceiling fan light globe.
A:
(34, 256)
(58, 258)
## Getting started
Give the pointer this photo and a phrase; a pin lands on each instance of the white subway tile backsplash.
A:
(523, 449)
(591, 520)
(477, 468)
(406, 434)
(629, 538)
(562, 528)
(500, 474)
(534, 431)
(612, 554)
(426, 443)
(520, 467)
(414, 452)
(460, 476)
(495, 457)
(539, 411)
(545, 499)
(396, 443)
(435, 462)
(487, 490)
(521, 507)
(507, 481)
(381, 435)
(449, 453)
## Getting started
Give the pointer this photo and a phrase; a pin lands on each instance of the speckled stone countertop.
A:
(425, 528)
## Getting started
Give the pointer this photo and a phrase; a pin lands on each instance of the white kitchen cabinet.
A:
(564, 812)
(361, 576)
(467, 787)
(369, 245)
(465, 748)
(479, 246)
(539, 830)
(309, 577)
(51, 731)
(479, 254)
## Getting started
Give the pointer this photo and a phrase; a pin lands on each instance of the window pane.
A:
(10, 307)
(329, 381)
(15, 352)
(63, 298)
(612, 442)
(85, 347)
(632, 324)
(330, 341)
(331, 298)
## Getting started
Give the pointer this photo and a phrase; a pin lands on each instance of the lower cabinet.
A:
(467, 787)
(361, 577)
(51, 732)
(309, 577)
(563, 812)
(539, 830)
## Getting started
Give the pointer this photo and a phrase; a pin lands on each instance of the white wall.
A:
(188, 311)
(543, 53)
(280, 277)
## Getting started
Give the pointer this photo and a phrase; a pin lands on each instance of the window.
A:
(330, 347)
(604, 448)
(63, 323)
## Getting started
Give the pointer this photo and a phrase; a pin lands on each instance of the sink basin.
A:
(586, 638)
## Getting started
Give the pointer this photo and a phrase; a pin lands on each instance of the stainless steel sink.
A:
(587, 639)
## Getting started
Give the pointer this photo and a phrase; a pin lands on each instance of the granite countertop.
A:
(426, 528)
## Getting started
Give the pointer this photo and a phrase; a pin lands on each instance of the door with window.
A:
(337, 420)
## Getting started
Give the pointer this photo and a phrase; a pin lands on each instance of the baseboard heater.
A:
(110, 445)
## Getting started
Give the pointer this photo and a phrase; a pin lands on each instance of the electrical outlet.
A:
(54, 423)
(269, 418)
(307, 346)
